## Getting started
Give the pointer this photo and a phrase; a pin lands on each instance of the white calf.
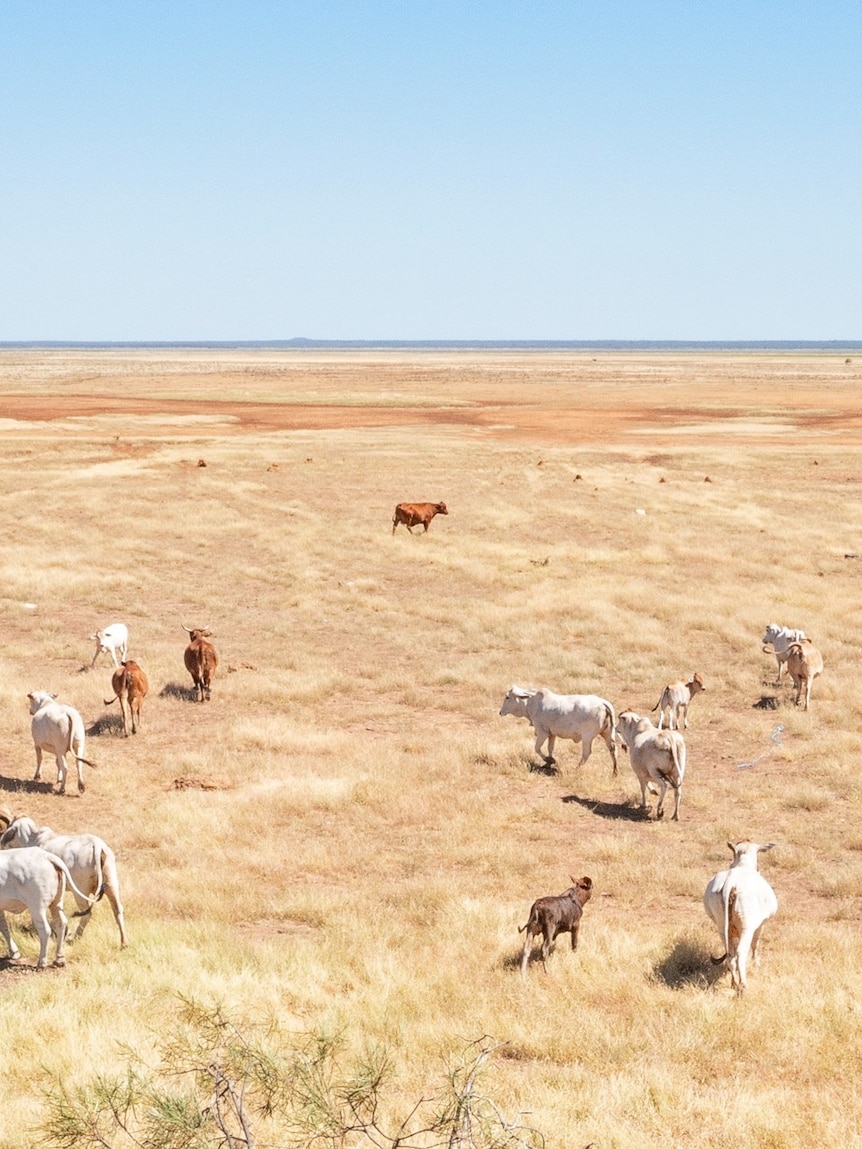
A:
(581, 717)
(739, 901)
(675, 699)
(112, 640)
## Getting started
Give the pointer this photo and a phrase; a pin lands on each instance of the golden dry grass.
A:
(375, 833)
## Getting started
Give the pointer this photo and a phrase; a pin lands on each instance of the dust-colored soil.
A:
(554, 398)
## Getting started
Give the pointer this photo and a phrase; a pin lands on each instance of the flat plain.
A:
(348, 836)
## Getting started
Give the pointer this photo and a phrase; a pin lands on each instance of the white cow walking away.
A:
(113, 640)
(739, 901)
(581, 717)
(90, 862)
(657, 758)
(35, 880)
(57, 728)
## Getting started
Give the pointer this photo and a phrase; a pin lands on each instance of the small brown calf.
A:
(805, 663)
(414, 514)
(555, 915)
(130, 685)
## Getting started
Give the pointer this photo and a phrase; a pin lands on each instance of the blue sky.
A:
(605, 169)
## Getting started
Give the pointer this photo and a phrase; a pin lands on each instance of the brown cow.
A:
(201, 660)
(805, 663)
(129, 684)
(552, 916)
(412, 514)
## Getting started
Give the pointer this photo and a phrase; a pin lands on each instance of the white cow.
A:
(57, 728)
(581, 717)
(111, 640)
(35, 880)
(90, 861)
(675, 699)
(657, 758)
(776, 639)
(739, 901)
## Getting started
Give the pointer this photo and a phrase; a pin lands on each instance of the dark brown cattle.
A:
(201, 660)
(553, 916)
(412, 514)
(129, 684)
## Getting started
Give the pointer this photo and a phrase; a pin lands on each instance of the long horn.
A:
(187, 628)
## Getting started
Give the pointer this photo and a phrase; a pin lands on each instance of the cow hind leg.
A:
(43, 929)
(61, 924)
(38, 773)
(547, 946)
(586, 750)
(61, 773)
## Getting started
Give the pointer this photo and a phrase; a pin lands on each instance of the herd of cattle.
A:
(738, 900)
(37, 865)
(41, 864)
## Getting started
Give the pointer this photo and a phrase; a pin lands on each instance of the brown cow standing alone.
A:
(129, 684)
(201, 660)
(552, 916)
(412, 514)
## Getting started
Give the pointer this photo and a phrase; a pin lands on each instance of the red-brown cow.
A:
(130, 685)
(412, 514)
(552, 916)
(201, 660)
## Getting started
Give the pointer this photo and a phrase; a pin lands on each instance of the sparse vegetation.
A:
(347, 837)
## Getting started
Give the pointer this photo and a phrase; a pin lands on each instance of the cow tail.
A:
(613, 717)
(63, 870)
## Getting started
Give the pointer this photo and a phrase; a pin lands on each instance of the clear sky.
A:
(361, 169)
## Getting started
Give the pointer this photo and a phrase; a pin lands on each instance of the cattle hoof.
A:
(59, 962)
(659, 814)
(81, 787)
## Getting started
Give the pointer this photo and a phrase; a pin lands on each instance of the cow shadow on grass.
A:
(24, 786)
(177, 690)
(688, 964)
(111, 724)
(618, 811)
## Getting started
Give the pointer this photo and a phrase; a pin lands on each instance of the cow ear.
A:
(53, 695)
(768, 846)
(731, 847)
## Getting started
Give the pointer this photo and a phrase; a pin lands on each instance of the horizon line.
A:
(302, 343)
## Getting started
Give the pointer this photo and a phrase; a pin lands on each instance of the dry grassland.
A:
(375, 832)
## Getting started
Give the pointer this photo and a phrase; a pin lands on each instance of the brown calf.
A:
(412, 514)
(805, 663)
(129, 684)
(201, 660)
(552, 916)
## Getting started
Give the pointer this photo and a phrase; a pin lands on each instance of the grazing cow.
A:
(675, 699)
(89, 860)
(201, 660)
(552, 916)
(581, 717)
(739, 901)
(112, 639)
(657, 758)
(57, 728)
(414, 514)
(130, 685)
(804, 664)
(34, 880)
(776, 639)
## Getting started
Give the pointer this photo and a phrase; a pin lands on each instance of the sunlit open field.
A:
(348, 836)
